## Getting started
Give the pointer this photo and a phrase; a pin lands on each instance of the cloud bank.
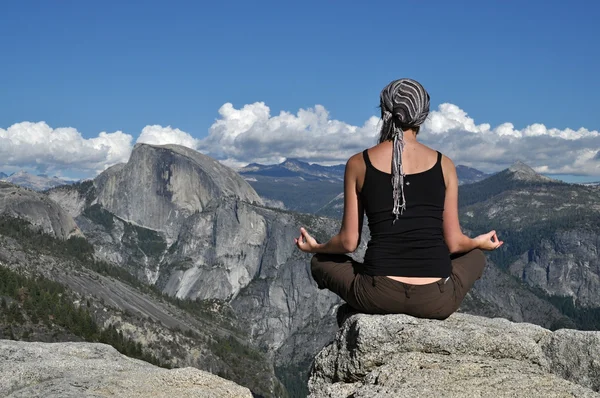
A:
(38, 146)
(252, 134)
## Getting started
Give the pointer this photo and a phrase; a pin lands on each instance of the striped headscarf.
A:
(404, 104)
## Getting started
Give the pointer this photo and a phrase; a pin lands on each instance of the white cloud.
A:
(450, 117)
(252, 134)
(548, 150)
(37, 145)
(158, 135)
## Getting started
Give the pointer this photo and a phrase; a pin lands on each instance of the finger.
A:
(306, 235)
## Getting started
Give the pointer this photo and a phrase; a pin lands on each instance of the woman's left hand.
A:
(305, 242)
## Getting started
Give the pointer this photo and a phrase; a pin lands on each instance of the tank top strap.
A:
(366, 158)
(438, 165)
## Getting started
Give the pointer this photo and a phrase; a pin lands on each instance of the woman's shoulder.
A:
(449, 171)
(447, 163)
(356, 162)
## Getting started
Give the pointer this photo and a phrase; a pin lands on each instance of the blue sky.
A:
(120, 66)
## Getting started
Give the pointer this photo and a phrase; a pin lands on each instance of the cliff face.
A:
(98, 370)
(197, 230)
(43, 213)
(498, 294)
(161, 186)
(565, 264)
(463, 356)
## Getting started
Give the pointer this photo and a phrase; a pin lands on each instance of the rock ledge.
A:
(97, 370)
(463, 356)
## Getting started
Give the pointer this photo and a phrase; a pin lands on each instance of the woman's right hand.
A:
(305, 242)
(488, 241)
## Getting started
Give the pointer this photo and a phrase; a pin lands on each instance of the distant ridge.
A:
(294, 168)
(40, 182)
(469, 175)
(312, 188)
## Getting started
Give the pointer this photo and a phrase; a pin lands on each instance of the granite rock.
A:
(463, 356)
(97, 370)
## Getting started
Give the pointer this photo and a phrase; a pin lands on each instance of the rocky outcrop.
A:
(40, 211)
(74, 198)
(463, 356)
(98, 370)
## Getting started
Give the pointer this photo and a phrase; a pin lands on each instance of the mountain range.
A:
(40, 182)
(311, 188)
(179, 257)
(294, 168)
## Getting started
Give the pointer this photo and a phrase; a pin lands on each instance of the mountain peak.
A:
(171, 182)
(294, 162)
(523, 172)
(520, 166)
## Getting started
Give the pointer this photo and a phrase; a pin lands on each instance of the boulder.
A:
(462, 356)
(97, 370)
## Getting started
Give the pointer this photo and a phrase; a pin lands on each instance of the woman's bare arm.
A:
(347, 240)
(457, 241)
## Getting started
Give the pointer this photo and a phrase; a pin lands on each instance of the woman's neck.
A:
(410, 135)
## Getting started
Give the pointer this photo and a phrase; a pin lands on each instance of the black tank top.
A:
(414, 245)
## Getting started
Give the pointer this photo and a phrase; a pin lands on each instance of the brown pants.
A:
(382, 295)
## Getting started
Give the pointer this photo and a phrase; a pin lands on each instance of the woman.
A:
(418, 261)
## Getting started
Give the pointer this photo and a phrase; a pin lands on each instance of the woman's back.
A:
(416, 157)
(412, 245)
